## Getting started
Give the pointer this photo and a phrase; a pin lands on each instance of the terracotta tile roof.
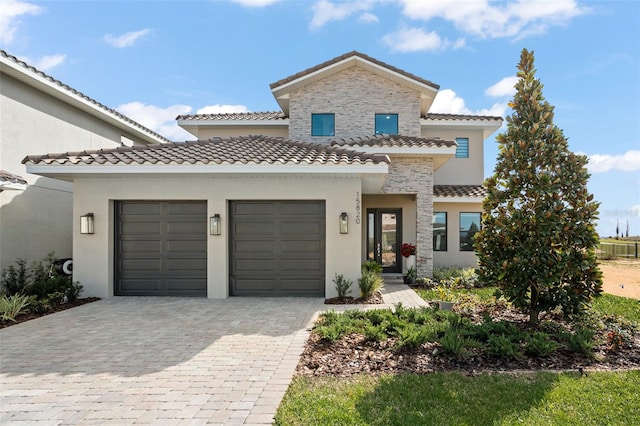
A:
(267, 115)
(346, 56)
(237, 150)
(33, 70)
(6, 176)
(459, 191)
(450, 117)
(394, 141)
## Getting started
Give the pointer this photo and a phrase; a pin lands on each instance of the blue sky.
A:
(153, 60)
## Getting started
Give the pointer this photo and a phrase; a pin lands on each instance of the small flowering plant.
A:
(408, 249)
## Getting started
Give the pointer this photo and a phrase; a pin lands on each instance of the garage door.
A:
(161, 248)
(277, 248)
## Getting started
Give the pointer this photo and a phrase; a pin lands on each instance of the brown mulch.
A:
(375, 299)
(62, 307)
(354, 354)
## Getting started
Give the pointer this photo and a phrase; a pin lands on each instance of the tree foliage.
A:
(538, 239)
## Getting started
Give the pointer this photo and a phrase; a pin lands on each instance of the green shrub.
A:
(371, 266)
(12, 306)
(540, 344)
(411, 336)
(502, 346)
(56, 298)
(581, 341)
(330, 333)
(375, 333)
(38, 306)
(343, 285)
(370, 282)
(14, 278)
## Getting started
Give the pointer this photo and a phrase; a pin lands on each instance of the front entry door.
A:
(384, 238)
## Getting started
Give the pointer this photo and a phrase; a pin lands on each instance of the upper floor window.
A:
(323, 124)
(462, 151)
(440, 231)
(386, 124)
(469, 225)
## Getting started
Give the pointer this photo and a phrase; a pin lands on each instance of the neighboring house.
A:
(257, 205)
(41, 114)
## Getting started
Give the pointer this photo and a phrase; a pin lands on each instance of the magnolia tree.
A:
(538, 239)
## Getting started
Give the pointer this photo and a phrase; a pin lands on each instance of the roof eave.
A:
(44, 85)
(474, 200)
(488, 126)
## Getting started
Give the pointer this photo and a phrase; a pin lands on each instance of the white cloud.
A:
(49, 62)
(505, 87)
(158, 119)
(10, 11)
(635, 210)
(488, 19)
(627, 162)
(255, 3)
(325, 11)
(127, 39)
(448, 102)
(417, 39)
(368, 18)
(218, 109)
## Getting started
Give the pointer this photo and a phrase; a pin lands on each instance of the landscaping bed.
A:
(481, 335)
(29, 315)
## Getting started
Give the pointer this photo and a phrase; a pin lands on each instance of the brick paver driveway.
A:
(154, 360)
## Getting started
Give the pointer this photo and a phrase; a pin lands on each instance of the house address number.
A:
(357, 208)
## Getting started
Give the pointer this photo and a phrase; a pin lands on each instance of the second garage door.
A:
(277, 248)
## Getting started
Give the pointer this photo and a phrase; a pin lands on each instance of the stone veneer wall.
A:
(354, 95)
(415, 175)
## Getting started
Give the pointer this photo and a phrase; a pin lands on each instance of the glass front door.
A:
(384, 238)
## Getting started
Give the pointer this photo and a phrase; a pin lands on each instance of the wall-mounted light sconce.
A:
(344, 223)
(86, 223)
(215, 225)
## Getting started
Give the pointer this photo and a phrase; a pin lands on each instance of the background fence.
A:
(619, 249)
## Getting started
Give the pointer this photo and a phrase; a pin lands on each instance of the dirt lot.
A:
(622, 277)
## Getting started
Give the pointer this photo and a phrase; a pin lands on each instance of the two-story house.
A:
(277, 203)
(39, 113)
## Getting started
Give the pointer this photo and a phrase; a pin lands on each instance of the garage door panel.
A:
(140, 228)
(250, 208)
(303, 287)
(301, 229)
(298, 209)
(140, 208)
(300, 265)
(161, 248)
(140, 246)
(255, 265)
(254, 228)
(276, 241)
(254, 246)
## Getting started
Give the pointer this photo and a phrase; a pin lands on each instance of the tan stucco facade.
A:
(94, 254)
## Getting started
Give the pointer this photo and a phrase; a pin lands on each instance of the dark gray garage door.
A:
(277, 248)
(161, 248)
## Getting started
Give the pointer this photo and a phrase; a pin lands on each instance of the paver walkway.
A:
(138, 360)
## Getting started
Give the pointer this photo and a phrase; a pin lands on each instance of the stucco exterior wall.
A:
(205, 132)
(94, 254)
(460, 171)
(354, 96)
(38, 221)
(453, 256)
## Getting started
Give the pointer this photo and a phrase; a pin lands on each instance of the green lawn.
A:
(453, 399)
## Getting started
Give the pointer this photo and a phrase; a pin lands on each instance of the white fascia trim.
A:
(39, 82)
(322, 169)
(349, 59)
(458, 200)
(402, 150)
(461, 123)
(284, 122)
(12, 186)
